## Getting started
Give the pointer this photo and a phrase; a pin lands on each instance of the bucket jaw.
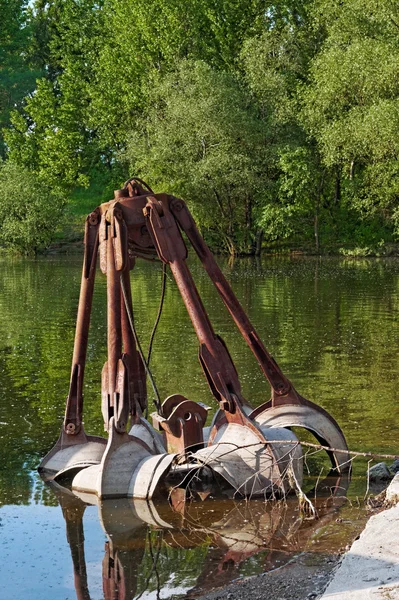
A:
(71, 454)
(307, 415)
(74, 449)
(243, 453)
(129, 468)
(250, 465)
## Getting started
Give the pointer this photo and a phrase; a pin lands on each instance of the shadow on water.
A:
(184, 549)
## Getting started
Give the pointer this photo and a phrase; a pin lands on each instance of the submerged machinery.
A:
(245, 452)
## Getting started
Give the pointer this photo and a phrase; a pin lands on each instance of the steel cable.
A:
(154, 329)
(157, 399)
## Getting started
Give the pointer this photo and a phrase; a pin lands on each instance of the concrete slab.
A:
(392, 493)
(370, 570)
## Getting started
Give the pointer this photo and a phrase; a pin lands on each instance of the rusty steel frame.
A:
(139, 223)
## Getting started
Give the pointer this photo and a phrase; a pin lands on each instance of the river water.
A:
(332, 326)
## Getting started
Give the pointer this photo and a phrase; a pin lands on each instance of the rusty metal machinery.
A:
(253, 451)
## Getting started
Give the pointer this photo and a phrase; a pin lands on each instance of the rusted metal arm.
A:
(123, 378)
(114, 387)
(74, 405)
(214, 356)
(281, 386)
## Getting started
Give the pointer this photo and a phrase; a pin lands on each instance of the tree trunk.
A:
(259, 239)
(248, 224)
(316, 228)
(338, 187)
(316, 211)
(352, 170)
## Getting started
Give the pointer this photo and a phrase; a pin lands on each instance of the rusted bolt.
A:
(70, 428)
(93, 218)
(177, 205)
(280, 388)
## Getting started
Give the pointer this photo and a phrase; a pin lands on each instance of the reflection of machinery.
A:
(141, 534)
(254, 451)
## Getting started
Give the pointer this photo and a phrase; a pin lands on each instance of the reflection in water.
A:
(331, 324)
(146, 540)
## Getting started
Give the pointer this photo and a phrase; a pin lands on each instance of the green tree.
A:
(98, 58)
(276, 66)
(30, 210)
(17, 69)
(305, 147)
(51, 134)
(351, 106)
(146, 37)
(202, 139)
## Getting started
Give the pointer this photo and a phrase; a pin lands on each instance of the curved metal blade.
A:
(72, 453)
(313, 419)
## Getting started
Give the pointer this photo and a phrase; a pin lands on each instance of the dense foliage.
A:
(30, 211)
(275, 121)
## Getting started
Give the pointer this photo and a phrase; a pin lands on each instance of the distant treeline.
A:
(277, 122)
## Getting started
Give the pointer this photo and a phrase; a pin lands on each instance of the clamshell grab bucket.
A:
(246, 452)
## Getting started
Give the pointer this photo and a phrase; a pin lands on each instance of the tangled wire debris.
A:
(307, 508)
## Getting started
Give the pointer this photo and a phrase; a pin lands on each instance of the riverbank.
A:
(69, 238)
(369, 570)
(303, 578)
(70, 241)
